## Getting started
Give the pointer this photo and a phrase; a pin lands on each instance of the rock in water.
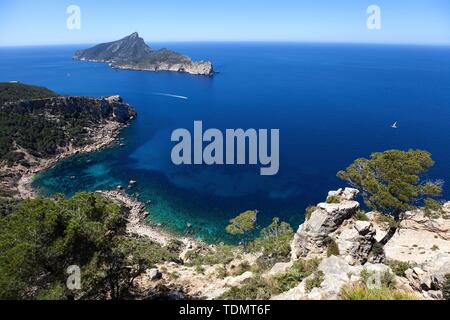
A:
(133, 53)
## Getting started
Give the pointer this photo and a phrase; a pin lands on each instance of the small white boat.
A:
(394, 126)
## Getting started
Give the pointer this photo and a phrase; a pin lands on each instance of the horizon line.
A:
(436, 44)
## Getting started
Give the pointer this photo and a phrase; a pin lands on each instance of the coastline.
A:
(105, 137)
(201, 68)
(136, 219)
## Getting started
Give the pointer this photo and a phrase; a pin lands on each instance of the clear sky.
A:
(31, 22)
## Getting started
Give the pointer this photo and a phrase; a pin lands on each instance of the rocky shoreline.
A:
(17, 179)
(104, 138)
(136, 218)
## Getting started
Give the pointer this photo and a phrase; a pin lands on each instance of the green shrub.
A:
(221, 254)
(388, 280)
(382, 218)
(315, 281)
(256, 288)
(333, 199)
(241, 268)
(332, 247)
(446, 288)
(361, 292)
(377, 249)
(399, 267)
(433, 208)
(361, 216)
(42, 237)
(243, 223)
(300, 270)
(309, 212)
(274, 241)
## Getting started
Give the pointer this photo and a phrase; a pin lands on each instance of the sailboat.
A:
(394, 126)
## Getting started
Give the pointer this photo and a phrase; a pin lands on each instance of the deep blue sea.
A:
(332, 103)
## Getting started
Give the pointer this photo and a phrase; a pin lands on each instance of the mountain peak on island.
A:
(133, 53)
(129, 48)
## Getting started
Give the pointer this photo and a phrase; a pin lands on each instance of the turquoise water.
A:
(332, 104)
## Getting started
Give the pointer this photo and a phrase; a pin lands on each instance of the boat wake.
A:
(170, 95)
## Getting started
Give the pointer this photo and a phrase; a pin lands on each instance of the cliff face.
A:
(133, 54)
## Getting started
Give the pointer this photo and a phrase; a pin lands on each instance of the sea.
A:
(333, 103)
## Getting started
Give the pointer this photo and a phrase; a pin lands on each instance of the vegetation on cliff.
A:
(10, 92)
(41, 238)
(391, 181)
(41, 127)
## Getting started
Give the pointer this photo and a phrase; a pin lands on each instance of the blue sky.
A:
(31, 22)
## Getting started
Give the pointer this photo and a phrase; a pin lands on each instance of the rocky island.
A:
(132, 53)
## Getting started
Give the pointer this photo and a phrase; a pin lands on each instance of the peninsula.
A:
(40, 127)
(132, 53)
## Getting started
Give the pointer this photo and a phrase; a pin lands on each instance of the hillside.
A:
(17, 91)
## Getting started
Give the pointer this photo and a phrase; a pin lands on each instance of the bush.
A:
(275, 241)
(382, 218)
(399, 267)
(361, 292)
(333, 199)
(309, 212)
(377, 249)
(221, 254)
(256, 288)
(315, 281)
(433, 208)
(361, 216)
(243, 223)
(446, 288)
(300, 270)
(243, 267)
(332, 247)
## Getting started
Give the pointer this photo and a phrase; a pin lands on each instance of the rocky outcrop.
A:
(131, 53)
(421, 241)
(355, 241)
(310, 239)
(424, 243)
(337, 273)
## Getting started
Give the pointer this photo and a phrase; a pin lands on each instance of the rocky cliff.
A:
(421, 247)
(133, 54)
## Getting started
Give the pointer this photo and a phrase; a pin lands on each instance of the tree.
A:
(41, 238)
(243, 223)
(275, 240)
(391, 182)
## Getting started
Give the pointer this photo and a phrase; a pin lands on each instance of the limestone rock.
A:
(236, 281)
(309, 239)
(280, 267)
